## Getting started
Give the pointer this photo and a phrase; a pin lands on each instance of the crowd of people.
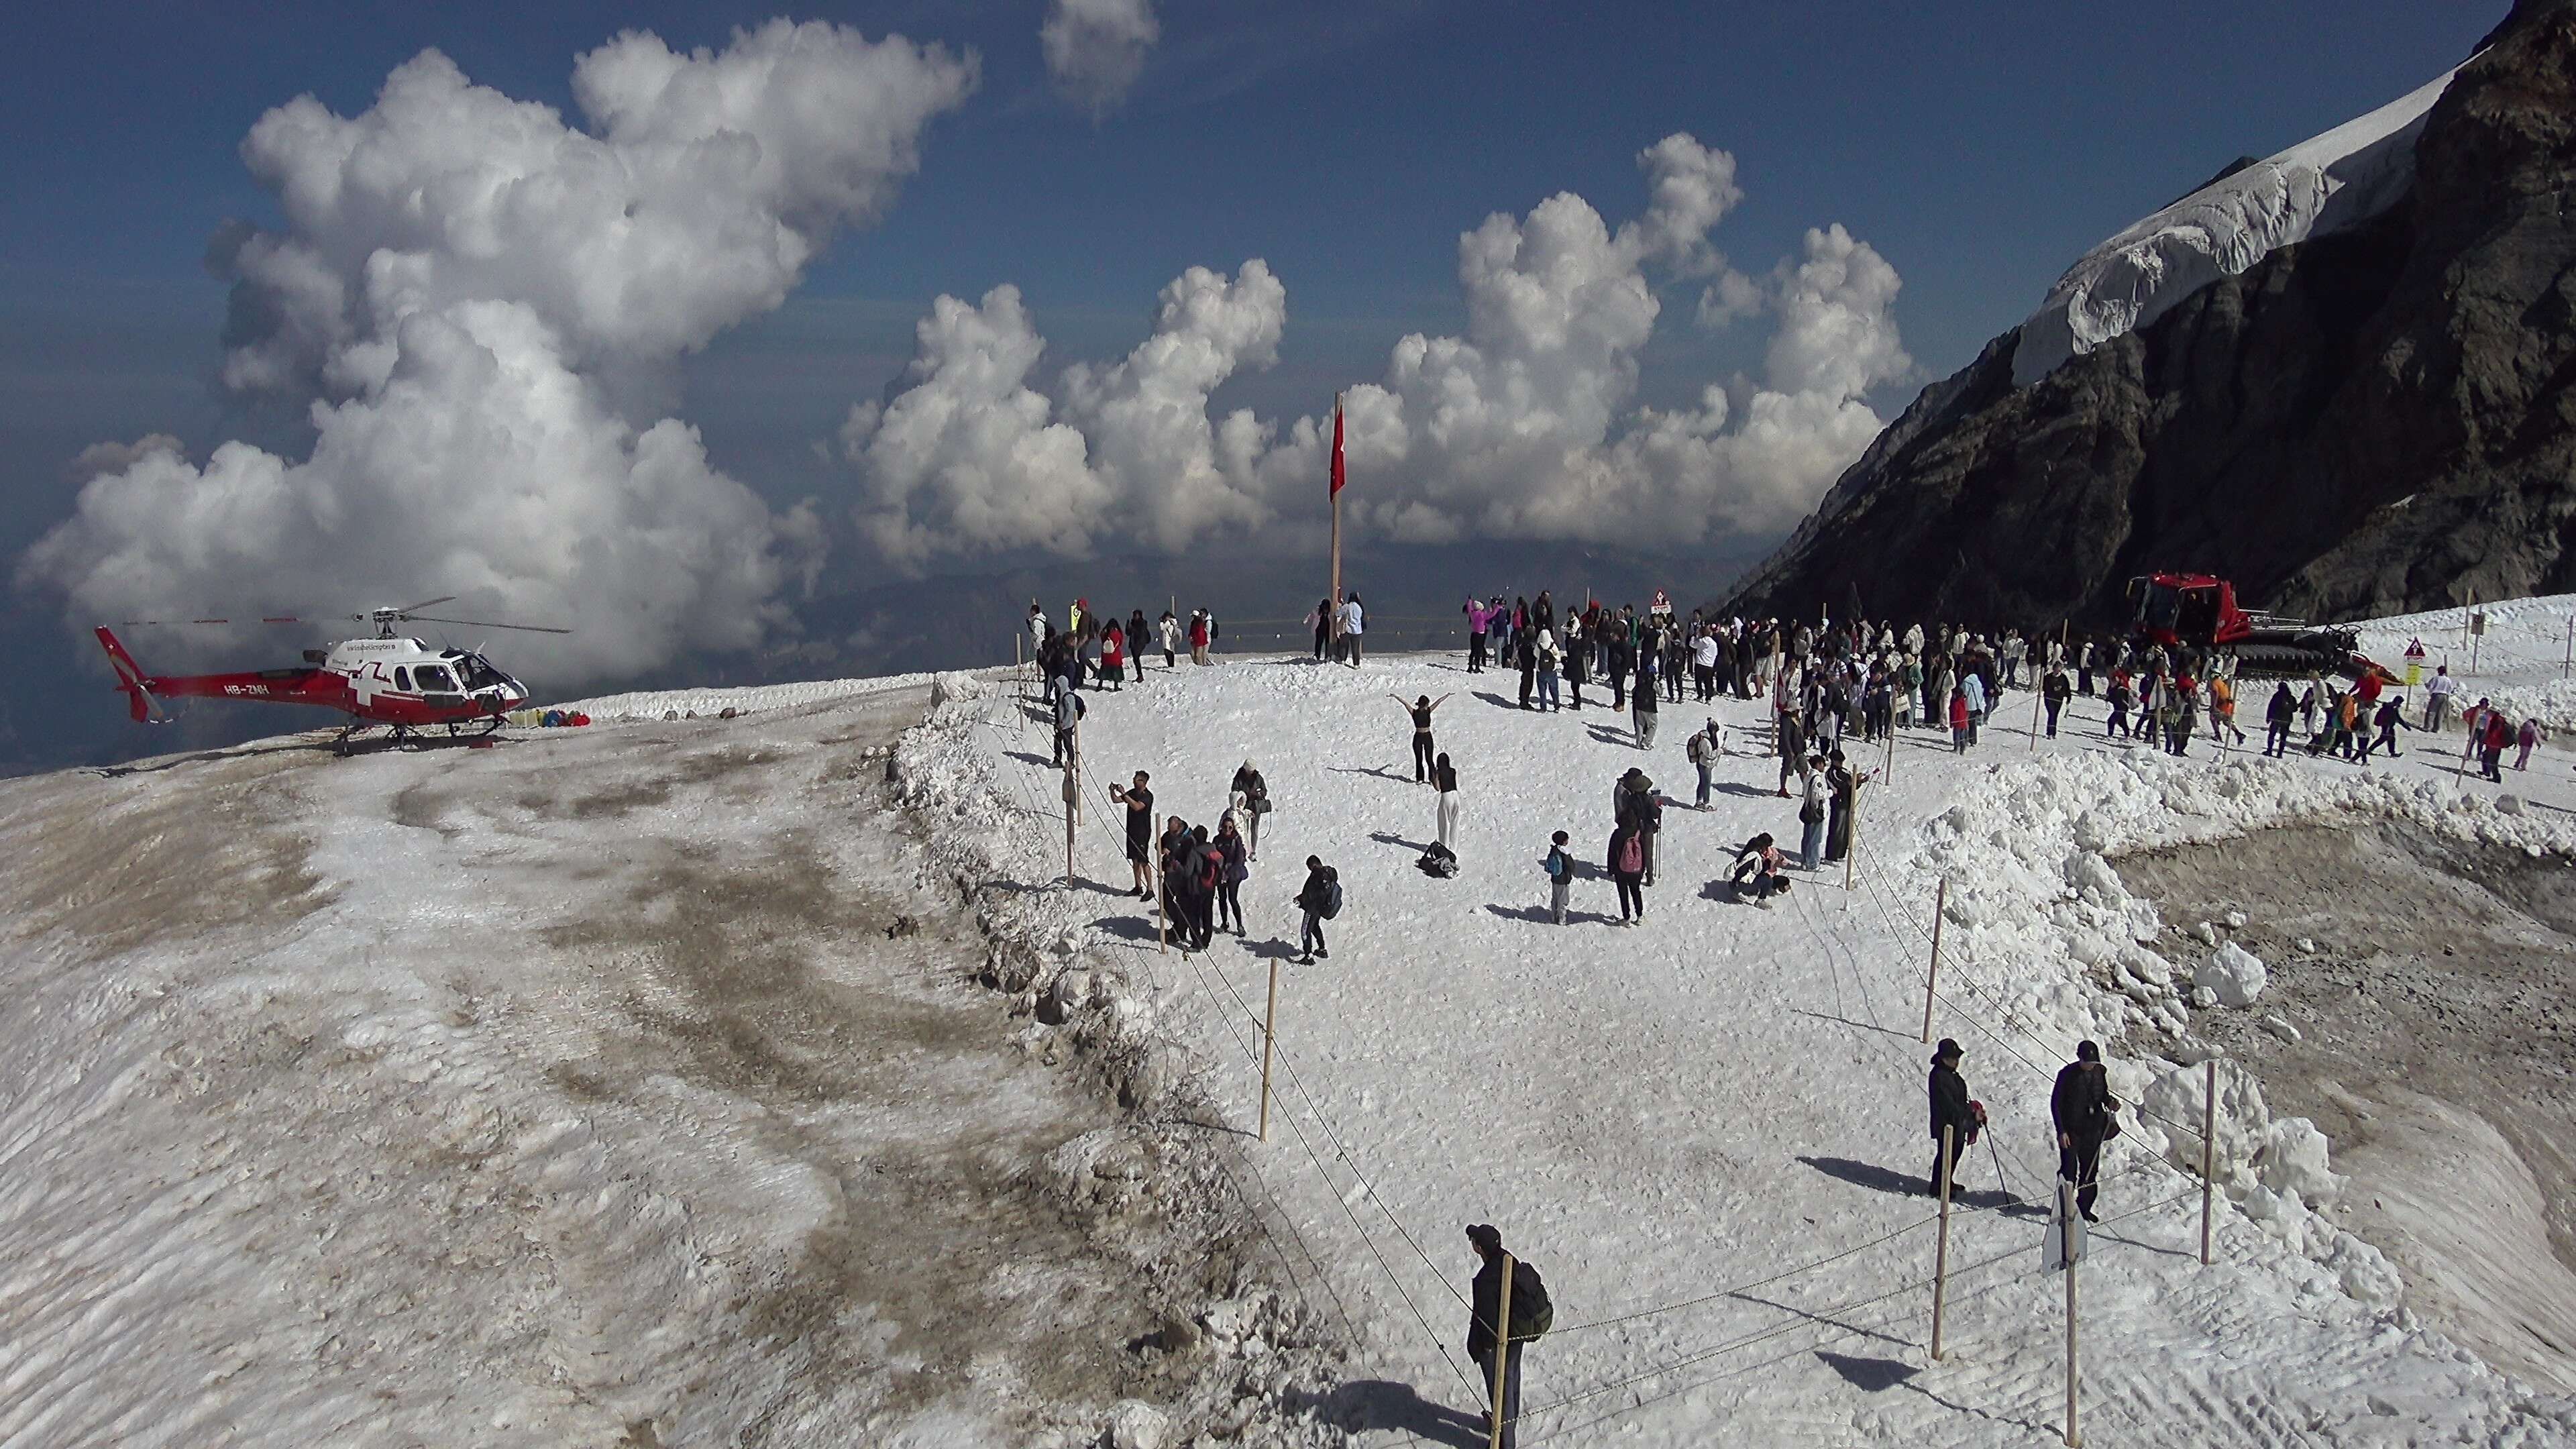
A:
(1826, 686)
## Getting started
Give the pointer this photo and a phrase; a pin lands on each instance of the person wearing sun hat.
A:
(1950, 1108)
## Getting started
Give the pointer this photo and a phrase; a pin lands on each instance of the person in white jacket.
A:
(1353, 624)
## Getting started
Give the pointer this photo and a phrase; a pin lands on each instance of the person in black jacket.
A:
(1485, 1305)
(1950, 1108)
(2081, 1107)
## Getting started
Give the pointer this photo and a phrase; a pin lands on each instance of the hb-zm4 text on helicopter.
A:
(390, 680)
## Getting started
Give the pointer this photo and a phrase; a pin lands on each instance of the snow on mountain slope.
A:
(2322, 185)
(610, 1087)
(1703, 1130)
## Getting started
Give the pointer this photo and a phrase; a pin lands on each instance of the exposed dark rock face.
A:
(2370, 422)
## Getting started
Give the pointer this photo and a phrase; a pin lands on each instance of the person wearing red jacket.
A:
(1113, 654)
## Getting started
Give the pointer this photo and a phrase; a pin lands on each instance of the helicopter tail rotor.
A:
(131, 681)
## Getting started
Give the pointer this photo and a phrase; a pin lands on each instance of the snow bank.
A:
(2322, 185)
(2521, 663)
(706, 703)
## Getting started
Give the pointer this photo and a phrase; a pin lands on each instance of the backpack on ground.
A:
(1332, 896)
(1438, 861)
(1532, 1314)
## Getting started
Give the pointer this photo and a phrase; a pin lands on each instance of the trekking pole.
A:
(1941, 1253)
(1502, 1331)
(2066, 1209)
(1162, 908)
(1072, 800)
(1940, 899)
(1851, 838)
(2034, 720)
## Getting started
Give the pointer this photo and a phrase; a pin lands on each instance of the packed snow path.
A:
(1706, 1130)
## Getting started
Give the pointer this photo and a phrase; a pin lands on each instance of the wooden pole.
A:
(1940, 899)
(1162, 906)
(1502, 1352)
(2034, 718)
(1941, 1254)
(2066, 1206)
(1072, 800)
(1269, 1033)
(1851, 835)
(2208, 1155)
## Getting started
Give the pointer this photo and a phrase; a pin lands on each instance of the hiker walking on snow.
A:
(1844, 789)
(1706, 748)
(1249, 796)
(1811, 812)
(1113, 654)
(1069, 710)
(1952, 1109)
(1642, 707)
(2437, 699)
(1626, 860)
(1233, 856)
(1531, 1315)
(1138, 641)
(1319, 898)
(1560, 876)
(2526, 738)
(1171, 630)
(2054, 692)
(2390, 719)
(2276, 720)
(1633, 801)
(1322, 622)
(1354, 623)
(1420, 711)
(2081, 1107)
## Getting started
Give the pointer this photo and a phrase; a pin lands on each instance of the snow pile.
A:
(2232, 974)
(2325, 184)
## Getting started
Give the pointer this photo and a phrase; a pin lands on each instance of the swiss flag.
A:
(1340, 475)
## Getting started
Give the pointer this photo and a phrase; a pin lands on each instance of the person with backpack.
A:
(1549, 697)
(1069, 710)
(1633, 801)
(1952, 1109)
(1113, 653)
(1626, 860)
(1759, 865)
(2080, 1105)
(1249, 796)
(1321, 899)
(2494, 735)
(1560, 876)
(2277, 721)
(1203, 870)
(1140, 832)
(2525, 739)
(1232, 855)
(1706, 748)
(2390, 719)
(1444, 776)
(1532, 1315)
(1642, 706)
(1421, 710)
(1202, 634)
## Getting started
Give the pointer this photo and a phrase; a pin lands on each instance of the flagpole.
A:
(1336, 490)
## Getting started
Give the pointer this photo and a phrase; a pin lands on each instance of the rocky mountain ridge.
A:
(2374, 421)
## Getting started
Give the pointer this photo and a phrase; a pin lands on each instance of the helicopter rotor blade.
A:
(427, 603)
(488, 624)
(187, 623)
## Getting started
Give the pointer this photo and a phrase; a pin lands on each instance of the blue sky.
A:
(1977, 149)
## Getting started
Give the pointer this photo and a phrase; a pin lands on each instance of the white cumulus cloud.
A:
(968, 457)
(460, 280)
(1096, 49)
(1525, 427)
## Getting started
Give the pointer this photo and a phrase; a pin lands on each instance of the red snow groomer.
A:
(2199, 611)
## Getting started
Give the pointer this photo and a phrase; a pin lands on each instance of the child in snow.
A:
(1560, 876)
(2526, 737)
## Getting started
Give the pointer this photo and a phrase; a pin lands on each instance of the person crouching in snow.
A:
(1560, 876)
(1758, 866)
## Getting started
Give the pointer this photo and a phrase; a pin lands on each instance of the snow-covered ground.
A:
(1704, 1130)
(682, 703)
(2327, 183)
(574, 1091)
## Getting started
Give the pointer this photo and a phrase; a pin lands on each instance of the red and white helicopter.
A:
(391, 679)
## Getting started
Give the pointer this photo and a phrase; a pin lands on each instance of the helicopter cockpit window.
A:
(433, 679)
(477, 673)
(402, 679)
